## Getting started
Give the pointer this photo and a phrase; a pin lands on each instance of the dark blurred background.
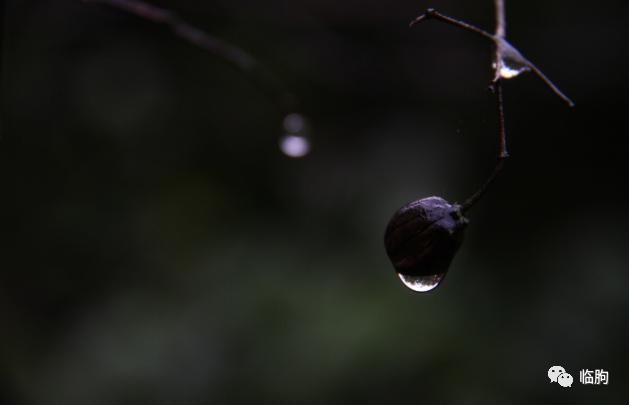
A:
(158, 248)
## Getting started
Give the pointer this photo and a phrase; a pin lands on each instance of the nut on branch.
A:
(424, 235)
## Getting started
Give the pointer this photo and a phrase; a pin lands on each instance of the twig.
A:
(499, 40)
(231, 53)
(496, 87)
(432, 13)
(550, 84)
(502, 141)
(501, 20)
(481, 191)
(503, 51)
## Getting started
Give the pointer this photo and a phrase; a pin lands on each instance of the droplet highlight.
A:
(422, 283)
(507, 72)
(294, 146)
(512, 63)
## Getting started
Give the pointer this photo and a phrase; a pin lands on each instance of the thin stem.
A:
(231, 53)
(502, 149)
(500, 32)
(503, 50)
(496, 87)
(502, 131)
(432, 13)
(481, 191)
(550, 84)
(501, 21)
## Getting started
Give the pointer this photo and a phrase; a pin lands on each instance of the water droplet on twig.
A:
(512, 63)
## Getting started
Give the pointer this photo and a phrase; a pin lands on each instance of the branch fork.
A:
(508, 63)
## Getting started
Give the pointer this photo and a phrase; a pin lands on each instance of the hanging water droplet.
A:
(421, 283)
(508, 72)
(512, 63)
(294, 146)
(295, 142)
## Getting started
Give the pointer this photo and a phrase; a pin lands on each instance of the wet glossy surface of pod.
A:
(423, 236)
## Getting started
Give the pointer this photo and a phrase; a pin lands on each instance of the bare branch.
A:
(550, 84)
(501, 21)
(231, 53)
(432, 13)
(503, 49)
(210, 43)
(481, 191)
(508, 62)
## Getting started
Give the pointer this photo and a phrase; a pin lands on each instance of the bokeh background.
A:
(160, 249)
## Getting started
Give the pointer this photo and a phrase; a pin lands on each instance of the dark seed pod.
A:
(422, 238)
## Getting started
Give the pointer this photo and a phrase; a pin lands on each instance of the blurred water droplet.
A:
(295, 142)
(421, 283)
(513, 63)
(294, 146)
(508, 72)
(294, 123)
